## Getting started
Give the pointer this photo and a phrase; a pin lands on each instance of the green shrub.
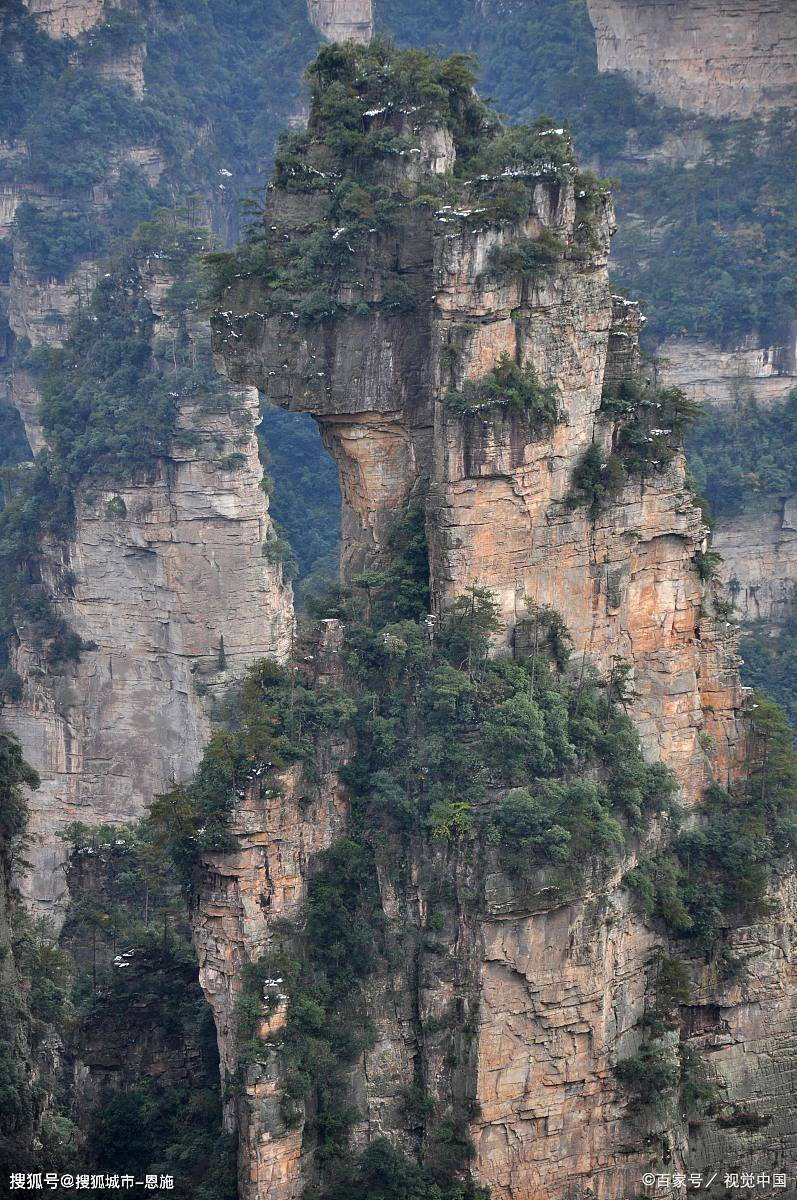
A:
(719, 871)
(651, 1075)
(596, 480)
(770, 660)
(650, 425)
(15, 774)
(511, 388)
(530, 257)
(381, 1172)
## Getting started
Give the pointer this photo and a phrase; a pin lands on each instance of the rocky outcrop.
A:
(626, 585)
(746, 1028)
(712, 375)
(38, 311)
(759, 550)
(170, 580)
(167, 578)
(559, 987)
(562, 990)
(244, 895)
(723, 59)
(548, 996)
(342, 20)
(66, 18)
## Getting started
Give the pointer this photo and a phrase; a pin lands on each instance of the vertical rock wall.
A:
(342, 20)
(708, 56)
(724, 60)
(280, 830)
(760, 548)
(627, 584)
(159, 570)
(157, 573)
(559, 988)
(66, 18)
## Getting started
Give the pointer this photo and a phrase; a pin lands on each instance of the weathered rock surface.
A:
(760, 561)
(164, 567)
(746, 1029)
(723, 59)
(66, 18)
(280, 830)
(760, 549)
(627, 584)
(342, 20)
(559, 988)
(712, 375)
(562, 991)
(158, 572)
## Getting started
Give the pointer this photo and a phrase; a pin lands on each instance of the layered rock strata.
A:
(169, 580)
(723, 59)
(280, 830)
(759, 552)
(342, 20)
(67, 18)
(626, 584)
(559, 988)
(712, 375)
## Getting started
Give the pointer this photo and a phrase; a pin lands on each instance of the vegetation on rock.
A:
(372, 107)
(81, 125)
(666, 1077)
(304, 496)
(510, 388)
(135, 983)
(718, 871)
(124, 971)
(492, 764)
(649, 428)
(712, 247)
(110, 399)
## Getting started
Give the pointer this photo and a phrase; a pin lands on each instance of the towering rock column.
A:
(496, 489)
(725, 60)
(554, 990)
(342, 20)
(171, 581)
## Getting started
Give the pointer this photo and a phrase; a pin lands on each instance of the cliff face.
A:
(161, 572)
(66, 18)
(724, 60)
(169, 581)
(760, 551)
(546, 998)
(551, 993)
(244, 895)
(712, 375)
(559, 992)
(496, 493)
(547, 994)
(39, 304)
(342, 20)
(732, 61)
